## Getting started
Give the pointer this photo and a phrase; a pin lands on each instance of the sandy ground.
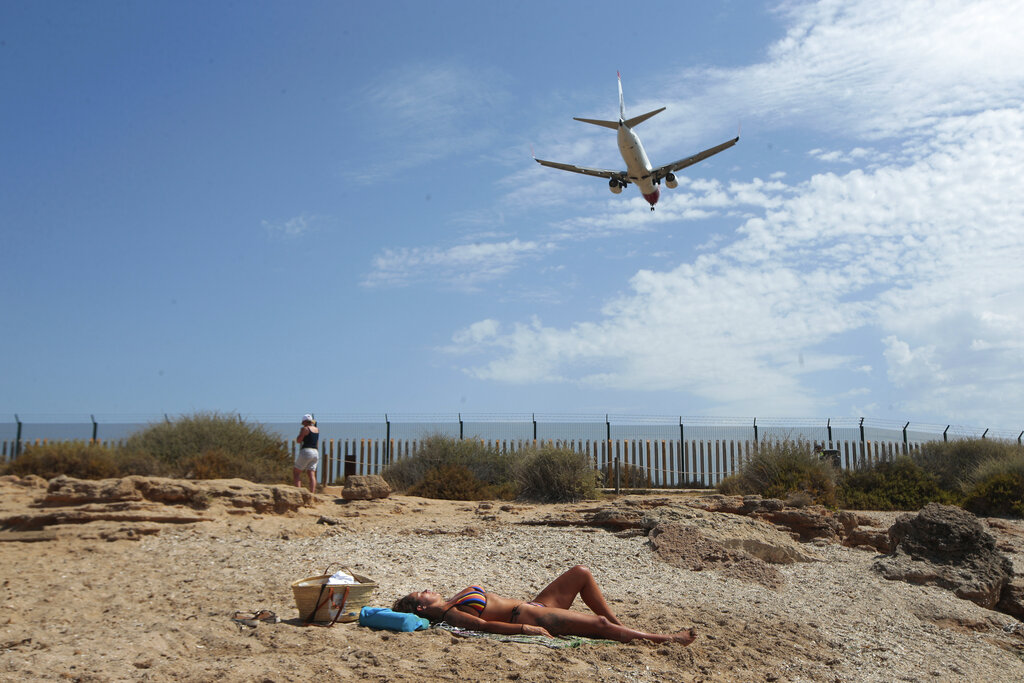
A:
(159, 608)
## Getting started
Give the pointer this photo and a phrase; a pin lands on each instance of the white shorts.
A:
(307, 459)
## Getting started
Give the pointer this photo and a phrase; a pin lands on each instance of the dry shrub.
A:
(449, 482)
(218, 463)
(779, 469)
(489, 466)
(556, 475)
(212, 446)
(74, 458)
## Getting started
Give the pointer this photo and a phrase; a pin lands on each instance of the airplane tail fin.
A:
(622, 103)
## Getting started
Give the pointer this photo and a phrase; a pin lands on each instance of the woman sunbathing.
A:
(546, 615)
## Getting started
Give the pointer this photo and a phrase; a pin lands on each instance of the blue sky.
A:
(275, 208)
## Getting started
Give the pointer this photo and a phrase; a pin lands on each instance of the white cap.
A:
(307, 418)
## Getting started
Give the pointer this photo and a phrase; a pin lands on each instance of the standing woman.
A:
(309, 456)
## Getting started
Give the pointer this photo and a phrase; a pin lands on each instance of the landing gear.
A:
(652, 208)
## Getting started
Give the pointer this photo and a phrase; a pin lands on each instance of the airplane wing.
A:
(663, 171)
(597, 172)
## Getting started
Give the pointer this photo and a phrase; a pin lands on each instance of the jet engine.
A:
(615, 186)
(671, 182)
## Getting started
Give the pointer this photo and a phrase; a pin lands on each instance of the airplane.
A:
(638, 168)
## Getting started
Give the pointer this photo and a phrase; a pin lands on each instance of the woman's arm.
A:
(459, 618)
(302, 434)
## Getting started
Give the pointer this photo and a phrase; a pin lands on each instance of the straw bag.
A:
(318, 602)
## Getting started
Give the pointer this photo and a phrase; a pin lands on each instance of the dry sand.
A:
(159, 607)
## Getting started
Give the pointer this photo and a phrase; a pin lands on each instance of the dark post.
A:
(755, 432)
(534, 418)
(828, 425)
(460, 426)
(944, 437)
(618, 475)
(1019, 437)
(906, 445)
(387, 440)
(682, 460)
(986, 432)
(94, 427)
(17, 439)
(863, 450)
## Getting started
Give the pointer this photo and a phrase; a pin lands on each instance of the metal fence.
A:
(652, 451)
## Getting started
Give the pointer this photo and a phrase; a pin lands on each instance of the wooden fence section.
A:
(642, 463)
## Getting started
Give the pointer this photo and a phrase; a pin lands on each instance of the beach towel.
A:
(558, 643)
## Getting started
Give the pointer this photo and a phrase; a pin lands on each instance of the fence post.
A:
(755, 430)
(94, 427)
(387, 440)
(17, 439)
(986, 432)
(944, 437)
(618, 475)
(679, 457)
(460, 426)
(906, 445)
(863, 453)
(828, 425)
(533, 416)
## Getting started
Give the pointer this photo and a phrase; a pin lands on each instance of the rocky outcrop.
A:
(239, 493)
(946, 546)
(143, 500)
(365, 487)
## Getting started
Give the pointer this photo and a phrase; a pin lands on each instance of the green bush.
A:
(205, 445)
(953, 462)
(556, 475)
(74, 458)
(901, 484)
(781, 468)
(996, 486)
(219, 463)
(449, 482)
(487, 464)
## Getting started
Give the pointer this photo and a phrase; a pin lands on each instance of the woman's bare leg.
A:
(565, 622)
(577, 581)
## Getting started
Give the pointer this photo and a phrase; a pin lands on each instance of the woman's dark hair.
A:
(406, 604)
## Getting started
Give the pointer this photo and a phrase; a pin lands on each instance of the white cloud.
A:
(463, 266)
(290, 228)
(426, 112)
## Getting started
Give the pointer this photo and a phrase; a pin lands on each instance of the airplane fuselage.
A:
(638, 166)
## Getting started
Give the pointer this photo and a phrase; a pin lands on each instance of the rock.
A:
(869, 538)
(945, 546)
(29, 480)
(1012, 600)
(64, 490)
(807, 523)
(687, 547)
(365, 487)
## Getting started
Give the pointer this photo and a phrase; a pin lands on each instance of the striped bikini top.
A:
(472, 597)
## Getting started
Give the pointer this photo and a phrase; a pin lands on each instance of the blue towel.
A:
(383, 617)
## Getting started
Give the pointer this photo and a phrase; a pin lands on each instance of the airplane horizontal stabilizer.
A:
(643, 117)
(607, 124)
